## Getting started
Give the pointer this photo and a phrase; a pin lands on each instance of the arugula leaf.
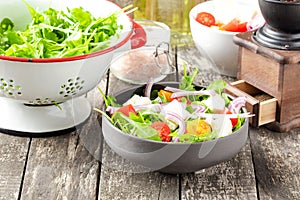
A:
(205, 137)
(109, 100)
(217, 85)
(6, 25)
(150, 116)
(37, 18)
(239, 124)
(83, 17)
(162, 98)
(187, 80)
(135, 128)
(188, 138)
(56, 33)
(226, 99)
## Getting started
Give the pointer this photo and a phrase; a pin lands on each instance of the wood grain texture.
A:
(290, 81)
(274, 72)
(91, 132)
(13, 151)
(233, 179)
(261, 72)
(277, 163)
(60, 168)
(290, 103)
(121, 179)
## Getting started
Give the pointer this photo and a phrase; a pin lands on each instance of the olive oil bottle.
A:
(174, 13)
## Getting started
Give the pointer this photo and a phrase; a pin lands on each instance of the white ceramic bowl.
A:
(219, 44)
(51, 81)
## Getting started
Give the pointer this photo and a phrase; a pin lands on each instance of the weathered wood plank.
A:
(91, 132)
(277, 163)
(60, 168)
(233, 179)
(121, 179)
(262, 194)
(13, 151)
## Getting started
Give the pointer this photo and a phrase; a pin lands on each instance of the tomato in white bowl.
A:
(213, 25)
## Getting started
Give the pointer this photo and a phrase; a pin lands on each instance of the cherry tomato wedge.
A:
(242, 27)
(234, 121)
(163, 130)
(127, 109)
(206, 19)
(231, 26)
(235, 26)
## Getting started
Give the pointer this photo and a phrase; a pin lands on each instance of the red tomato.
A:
(163, 130)
(232, 26)
(205, 18)
(235, 26)
(233, 120)
(242, 27)
(127, 109)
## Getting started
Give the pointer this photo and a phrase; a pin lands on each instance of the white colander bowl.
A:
(37, 85)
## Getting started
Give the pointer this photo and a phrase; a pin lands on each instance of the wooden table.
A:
(80, 166)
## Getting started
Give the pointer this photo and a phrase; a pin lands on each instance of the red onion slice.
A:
(111, 110)
(198, 108)
(178, 119)
(175, 139)
(236, 104)
(256, 22)
(172, 89)
(149, 88)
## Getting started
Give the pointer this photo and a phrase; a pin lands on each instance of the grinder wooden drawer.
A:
(258, 102)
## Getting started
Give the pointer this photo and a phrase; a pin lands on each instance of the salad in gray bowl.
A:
(175, 127)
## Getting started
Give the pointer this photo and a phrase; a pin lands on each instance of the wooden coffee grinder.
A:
(269, 67)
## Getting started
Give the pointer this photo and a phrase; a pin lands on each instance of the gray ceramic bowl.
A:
(171, 157)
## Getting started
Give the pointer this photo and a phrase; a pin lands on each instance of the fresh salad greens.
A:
(178, 114)
(57, 34)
